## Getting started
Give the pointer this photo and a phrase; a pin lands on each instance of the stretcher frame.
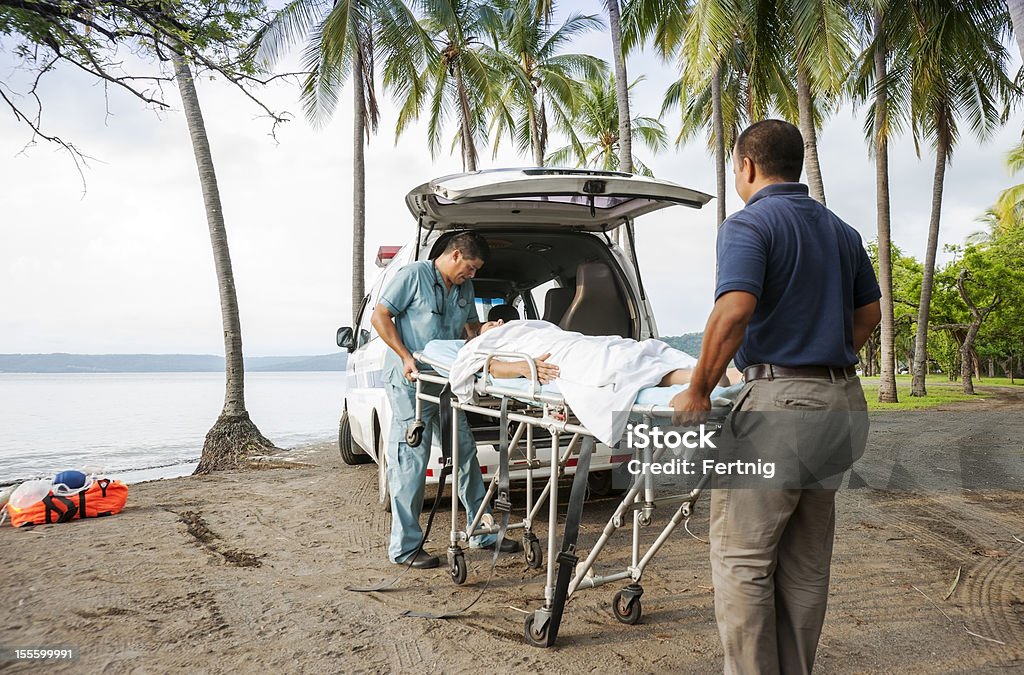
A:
(551, 414)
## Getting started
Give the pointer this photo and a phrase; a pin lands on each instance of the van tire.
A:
(347, 446)
(601, 484)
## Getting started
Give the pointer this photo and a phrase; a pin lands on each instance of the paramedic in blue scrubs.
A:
(427, 300)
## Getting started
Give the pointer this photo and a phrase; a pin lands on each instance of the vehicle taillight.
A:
(385, 254)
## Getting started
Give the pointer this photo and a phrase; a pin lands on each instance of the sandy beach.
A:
(246, 571)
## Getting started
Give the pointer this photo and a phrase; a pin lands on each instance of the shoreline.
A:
(182, 469)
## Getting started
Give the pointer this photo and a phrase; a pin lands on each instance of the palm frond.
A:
(290, 25)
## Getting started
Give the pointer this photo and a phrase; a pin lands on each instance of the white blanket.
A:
(599, 377)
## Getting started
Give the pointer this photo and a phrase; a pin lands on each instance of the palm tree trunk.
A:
(538, 148)
(233, 436)
(1017, 20)
(920, 369)
(887, 382)
(805, 106)
(358, 182)
(718, 130)
(621, 89)
(468, 147)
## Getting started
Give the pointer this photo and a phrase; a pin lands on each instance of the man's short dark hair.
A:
(471, 245)
(775, 147)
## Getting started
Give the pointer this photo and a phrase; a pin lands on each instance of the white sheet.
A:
(599, 376)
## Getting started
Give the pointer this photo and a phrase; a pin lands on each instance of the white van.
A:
(552, 258)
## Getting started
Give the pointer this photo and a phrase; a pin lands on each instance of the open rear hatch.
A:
(578, 199)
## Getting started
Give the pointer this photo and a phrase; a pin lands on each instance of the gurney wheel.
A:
(457, 569)
(414, 434)
(537, 638)
(534, 553)
(626, 608)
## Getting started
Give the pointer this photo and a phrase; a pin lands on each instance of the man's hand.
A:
(383, 322)
(691, 408)
(409, 367)
(546, 372)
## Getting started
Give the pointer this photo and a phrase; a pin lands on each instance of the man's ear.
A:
(748, 169)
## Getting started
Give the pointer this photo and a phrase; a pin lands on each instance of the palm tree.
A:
(524, 54)
(710, 40)
(801, 41)
(233, 436)
(715, 103)
(444, 72)
(686, 32)
(596, 125)
(625, 162)
(339, 44)
(958, 72)
(822, 34)
(723, 82)
(887, 392)
(886, 23)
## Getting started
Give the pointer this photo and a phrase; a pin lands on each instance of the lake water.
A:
(139, 426)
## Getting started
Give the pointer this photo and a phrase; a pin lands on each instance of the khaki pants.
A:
(771, 549)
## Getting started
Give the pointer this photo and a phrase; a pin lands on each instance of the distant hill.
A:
(688, 342)
(162, 363)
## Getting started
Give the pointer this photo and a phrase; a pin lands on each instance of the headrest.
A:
(598, 307)
(556, 301)
(504, 312)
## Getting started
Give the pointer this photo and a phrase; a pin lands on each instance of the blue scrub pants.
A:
(407, 470)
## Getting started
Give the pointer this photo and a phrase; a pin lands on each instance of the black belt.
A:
(766, 371)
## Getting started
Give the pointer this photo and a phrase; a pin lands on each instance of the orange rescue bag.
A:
(104, 497)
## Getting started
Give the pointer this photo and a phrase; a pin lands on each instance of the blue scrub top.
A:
(424, 310)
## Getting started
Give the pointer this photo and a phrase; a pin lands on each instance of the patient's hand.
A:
(546, 372)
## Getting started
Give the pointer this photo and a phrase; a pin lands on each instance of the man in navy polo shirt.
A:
(796, 299)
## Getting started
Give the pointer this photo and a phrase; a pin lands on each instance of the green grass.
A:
(940, 392)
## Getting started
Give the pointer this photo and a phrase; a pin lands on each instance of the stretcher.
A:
(521, 408)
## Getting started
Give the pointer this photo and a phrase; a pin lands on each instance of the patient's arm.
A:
(677, 376)
(546, 372)
(683, 375)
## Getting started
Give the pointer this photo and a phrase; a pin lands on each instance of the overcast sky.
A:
(127, 267)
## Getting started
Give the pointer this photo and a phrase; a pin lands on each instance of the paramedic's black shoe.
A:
(507, 546)
(423, 561)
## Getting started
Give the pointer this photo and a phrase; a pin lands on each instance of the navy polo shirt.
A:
(808, 270)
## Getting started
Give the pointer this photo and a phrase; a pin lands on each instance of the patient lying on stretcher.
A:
(599, 377)
(548, 371)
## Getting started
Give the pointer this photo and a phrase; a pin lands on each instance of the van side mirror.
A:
(346, 340)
